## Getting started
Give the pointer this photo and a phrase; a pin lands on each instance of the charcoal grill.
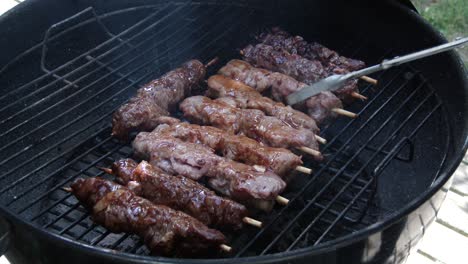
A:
(381, 183)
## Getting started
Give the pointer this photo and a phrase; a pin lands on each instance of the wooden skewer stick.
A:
(225, 248)
(358, 96)
(320, 139)
(252, 222)
(369, 79)
(282, 200)
(310, 151)
(106, 170)
(344, 112)
(304, 169)
(67, 189)
(212, 62)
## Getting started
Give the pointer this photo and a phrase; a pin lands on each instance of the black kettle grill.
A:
(65, 66)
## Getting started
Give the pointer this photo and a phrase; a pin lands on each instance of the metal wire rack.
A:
(55, 128)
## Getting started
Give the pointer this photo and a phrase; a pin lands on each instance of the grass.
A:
(450, 17)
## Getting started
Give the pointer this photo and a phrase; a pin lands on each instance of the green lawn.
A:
(448, 16)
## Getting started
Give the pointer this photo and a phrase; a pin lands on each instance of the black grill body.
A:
(72, 63)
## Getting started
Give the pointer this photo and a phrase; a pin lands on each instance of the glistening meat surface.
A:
(281, 85)
(165, 231)
(236, 180)
(235, 147)
(253, 123)
(247, 97)
(179, 193)
(158, 97)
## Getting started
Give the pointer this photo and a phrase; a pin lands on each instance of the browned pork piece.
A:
(179, 193)
(298, 67)
(247, 97)
(165, 231)
(236, 147)
(157, 98)
(253, 123)
(236, 180)
(282, 85)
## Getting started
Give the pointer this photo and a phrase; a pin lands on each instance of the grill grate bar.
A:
(62, 215)
(208, 45)
(392, 152)
(315, 176)
(69, 110)
(101, 66)
(63, 66)
(62, 168)
(62, 183)
(356, 153)
(364, 92)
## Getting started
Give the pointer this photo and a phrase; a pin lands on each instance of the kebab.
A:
(238, 181)
(281, 39)
(253, 123)
(181, 194)
(157, 98)
(236, 147)
(300, 68)
(324, 107)
(165, 231)
(331, 60)
(247, 97)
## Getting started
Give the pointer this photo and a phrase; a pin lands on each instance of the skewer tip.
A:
(304, 170)
(282, 200)
(67, 189)
(358, 96)
(106, 170)
(212, 62)
(225, 248)
(241, 52)
(321, 140)
(369, 80)
(343, 112)
(310, 151)
(252, 222)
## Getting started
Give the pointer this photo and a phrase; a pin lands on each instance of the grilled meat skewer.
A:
(235, 147)
(300, 68)
(331, 60)
(180, 193)
(236, 180)
(253, 123)
(248, 98)
(165, 231)
(281, 39)
(157, 98)
(327, 107)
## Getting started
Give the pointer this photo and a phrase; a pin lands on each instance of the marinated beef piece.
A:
(179, 193)
(236, 180)
(281, 85)
(300, 68)
(249, 122)
(165, 231)
(157, 98)
(235, 147)
(321, 105)
(313, 51)
(279, 60)
(247, 97)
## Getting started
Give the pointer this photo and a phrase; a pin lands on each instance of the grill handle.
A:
(5, 231)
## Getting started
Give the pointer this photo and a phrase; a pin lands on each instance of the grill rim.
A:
(444, 176)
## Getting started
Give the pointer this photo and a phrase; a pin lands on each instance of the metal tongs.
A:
(336, 81)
